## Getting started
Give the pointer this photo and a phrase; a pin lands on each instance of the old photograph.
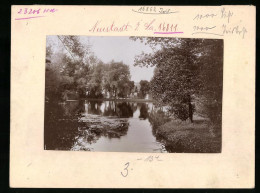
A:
(133, 94)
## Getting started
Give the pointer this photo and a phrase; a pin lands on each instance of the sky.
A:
(117, 49)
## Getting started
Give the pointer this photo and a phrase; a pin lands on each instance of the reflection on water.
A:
(102, 126)
(110, 108)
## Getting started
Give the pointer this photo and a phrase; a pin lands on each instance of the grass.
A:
(199, 136)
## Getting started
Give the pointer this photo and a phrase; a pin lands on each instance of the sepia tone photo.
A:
(133, 94)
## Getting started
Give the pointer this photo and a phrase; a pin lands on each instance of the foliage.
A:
(77, 72)
(185, 68)
(144, 88)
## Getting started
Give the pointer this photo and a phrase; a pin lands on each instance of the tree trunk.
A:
(116, 93)
(190, 110)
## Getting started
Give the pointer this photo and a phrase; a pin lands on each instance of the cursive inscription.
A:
(128, 167)
(234, 30)
(150, 158)
(223, 16)
(30, 13)
(205, 16)
(148, 25)
(153, 10)
(226, 14)
(98, 27)
(199, 28)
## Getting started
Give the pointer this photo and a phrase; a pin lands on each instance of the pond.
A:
(103, 126)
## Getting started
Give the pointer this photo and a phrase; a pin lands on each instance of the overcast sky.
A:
(117, 49)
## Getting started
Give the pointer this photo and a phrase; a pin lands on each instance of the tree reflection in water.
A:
(66, 125)
(61, 124)
(144, 111)
(110, 108)
(76, 125)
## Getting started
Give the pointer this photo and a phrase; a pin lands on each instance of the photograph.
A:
(133, 94)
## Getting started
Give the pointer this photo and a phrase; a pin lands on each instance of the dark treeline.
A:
(75, 72)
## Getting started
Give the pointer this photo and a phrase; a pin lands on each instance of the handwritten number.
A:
(126, 170)
(32, 11)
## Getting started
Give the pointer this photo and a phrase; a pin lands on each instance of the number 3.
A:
(126, 170)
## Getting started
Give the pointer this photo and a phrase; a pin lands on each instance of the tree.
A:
(94, 86)
(117, 79)
(144, 88)
(52, 76)
(78, 64)
(185, 69)
(131, 87)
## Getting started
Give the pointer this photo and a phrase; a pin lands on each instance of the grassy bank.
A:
(199, 136)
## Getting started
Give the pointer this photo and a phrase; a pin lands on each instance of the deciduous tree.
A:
(185, 69)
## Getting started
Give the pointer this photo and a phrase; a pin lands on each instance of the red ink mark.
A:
(149, 26)
(166, 27)
(50, 10)
(32, 11)
(110, 28)
(168, 32)
(28, 17)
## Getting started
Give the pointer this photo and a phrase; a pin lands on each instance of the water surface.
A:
(106, 126)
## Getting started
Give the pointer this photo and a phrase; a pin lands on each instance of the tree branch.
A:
(66, 48)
